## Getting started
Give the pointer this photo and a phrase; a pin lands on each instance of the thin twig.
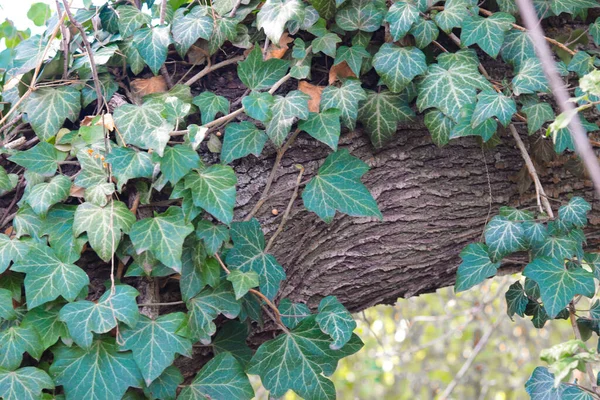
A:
(208, 69)
(235, 8)
(173, 303)
(578, 133)
(287, 210)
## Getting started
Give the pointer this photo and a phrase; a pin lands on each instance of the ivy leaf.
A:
(517, 48)
(439, 126)
(188, 28)
(206, 306)
(137, 123)
(103, 225)
(558, 284)
(492, 104)
(130, 20)
(84, 317)
(488, 32)
(537, 114)
(398, 66)
(242, 282)
(197, 270)
(571, 6)
(213, 189)
(575, 213)
(401, 16)
(300, 360)
(335, 321)
(258, 74)
(47, 324)
(353, 56)
(7, 310)
(210, 105)
(324, 126)
(326, 44)
(27, 222)
(362, 15)
(17, 340)
(451, 84)
(11, 251)
(84, 373)
(540, 386)
(92, 170)
(44, 195)
(285, 110)
(424, 31)
(24, 384)
(581, 63)
(224, 29)
(380, 114)
(337, 186)
(48, 108)
(453, 15)
(535, 233)
(212, 235)
(475, 267)
(43, 159)
(274, 14)
(177, 161)
(516, 300)
(152, 44)
(503, 237)
(248, 254)
(258, 105)
(293, 313)
(231, 338)
(344, 98)
(595, 31)
(464, 126)
(127, 164)
(163, 236)
(242, 139)
(165, 386)
(221, 377)
(530, 78)
(155, 343)
(58, 226)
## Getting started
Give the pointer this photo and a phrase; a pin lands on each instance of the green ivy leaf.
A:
(47, 324)
(248, 254)
(103, 225)
(92, 170)
(503, 237)
(84, 317)
(559, 247)
(537, 114)
(224, 29)
(530, 78)
(398, 66)
(7, 310)
(210, 105)
(131, 20)
(362, 15)
(353, 56)
(293, 313)
(258, 74)
(231, 338)
(11, 251)
(177, 161)
(488, 32)
(137, 124)
(516, 300)
(128, 163)
(155, 343)
(535, 233)
(27, 222)
(58, 226)
(453, 15)
(595, 31)
(212, 235)
(380, 114)
(163, 236)
(325, 8)
(258, 105)
(44, 195)
(133, 57)
(401, 16)
(165, 386)
(517, 48)
(335, 321)
(540, 386)
(464, 125)
(17, 340)
(424, 31)
(575, 213)
(326, 44)
(476, 266)
(558, 285)
(221, 376)
(300, 361)
(492, 104)
(274, 14)
(242, 282)
(285, 110)
(188, 28)
(346, 99)
(571, 6)
(24, 384)
(337, 186)
(197, 270)
(48, 108)
(324, 126)
(439, 126)
(213, 189)
(242, 139)
(206, 306)
(84, 373)
(43, 159)
(152, 44)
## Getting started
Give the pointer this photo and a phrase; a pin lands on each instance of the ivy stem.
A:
(276, 315)
(210, 68)
(172, 303)
(588, 367)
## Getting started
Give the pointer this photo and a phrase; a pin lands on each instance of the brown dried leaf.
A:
(143, 87)
(198, 53)
(340, 71)
(278, 51)
(109, 122)
(76, 191)
(314, 92)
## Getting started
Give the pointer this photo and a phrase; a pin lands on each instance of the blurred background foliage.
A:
(445, 346)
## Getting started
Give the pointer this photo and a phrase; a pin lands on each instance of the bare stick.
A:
(579, 135)
(212, 68)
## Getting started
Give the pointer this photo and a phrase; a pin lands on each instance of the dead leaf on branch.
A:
(143, 87)
(278, 51)
(314, 92)
(340, 71)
